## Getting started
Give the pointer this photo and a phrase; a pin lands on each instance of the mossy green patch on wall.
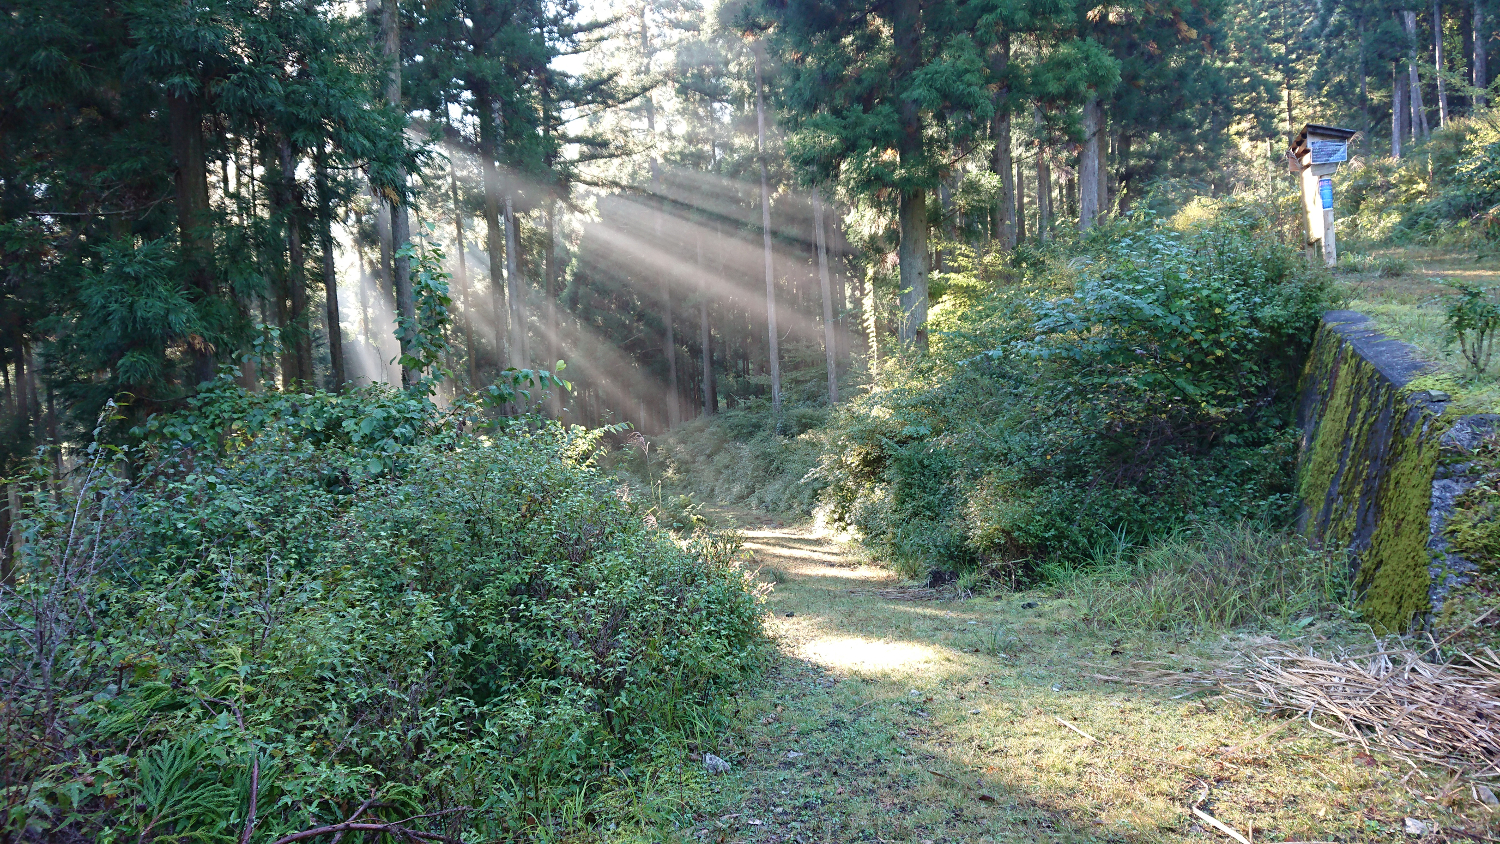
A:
(1369, 452)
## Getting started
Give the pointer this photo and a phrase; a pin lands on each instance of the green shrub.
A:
(481, 628)
(1472, 318)
(1130, 388)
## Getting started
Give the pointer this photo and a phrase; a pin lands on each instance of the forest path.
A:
(891, 716)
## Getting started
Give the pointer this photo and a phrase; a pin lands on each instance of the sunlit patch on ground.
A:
(853, 654)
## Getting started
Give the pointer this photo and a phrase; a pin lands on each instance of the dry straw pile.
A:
(1447, 714)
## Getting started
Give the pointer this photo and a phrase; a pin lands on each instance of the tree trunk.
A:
(1399, 112)
(554, 343)
(1414, 87)
(1020, 202)
(1000, 158)
(1103, 182)
(489, 139)
(1043, 194)
(830, 349)
(773, 350)
(464, 299)
(390, 24)
(193, 220)
(1088, 166)
(705, 335)
(1481, 75)
(297, 322)
(1437, 62)
(1364, 90)
(386, 283)
(330, 271)
(669, 335)
(513, 292)
(912, 254)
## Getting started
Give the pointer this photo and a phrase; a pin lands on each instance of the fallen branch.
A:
(397, 829)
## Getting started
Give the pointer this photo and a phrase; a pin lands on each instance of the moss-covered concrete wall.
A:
(1369, 451)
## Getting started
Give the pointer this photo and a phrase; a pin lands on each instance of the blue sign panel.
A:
(1325, 190)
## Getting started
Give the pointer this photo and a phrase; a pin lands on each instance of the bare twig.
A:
(1075, 729)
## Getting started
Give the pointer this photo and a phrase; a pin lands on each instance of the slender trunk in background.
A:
(364, 297)
(1398, 110)
(1043, 194)
(1364, 91)
(1291, 121)
(1481, 74)
(14, 540)
(705, 335)
(1088, 166)
(669, 335)
(489, 143)
(1020, 201)
(464, 299)
(1414, 86)
(912, 252)
(330, 270)
(513, 292)
(554, 343)
(1000, 158)
(390, 24)
(195, 238)
(773, 351)
(830, 352)
(23, 402)
(1437, 62)
(385, 284)
(298, 320)
(1104, 151)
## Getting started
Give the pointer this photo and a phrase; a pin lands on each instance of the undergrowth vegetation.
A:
(1446, 192)
(1213, 577)
(1114, 389)
(283, 612)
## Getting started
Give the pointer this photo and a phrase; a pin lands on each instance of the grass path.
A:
(942, 721)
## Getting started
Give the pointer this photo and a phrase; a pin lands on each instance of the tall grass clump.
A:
(745, 458)
(281, 612)
(1214, 577)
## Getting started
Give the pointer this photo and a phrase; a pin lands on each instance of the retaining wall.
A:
(1369, 456)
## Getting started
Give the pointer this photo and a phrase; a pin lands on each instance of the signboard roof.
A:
(1319, 132)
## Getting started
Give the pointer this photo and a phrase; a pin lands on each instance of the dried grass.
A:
(1447, 714)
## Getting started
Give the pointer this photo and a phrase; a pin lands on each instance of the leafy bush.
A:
(1472, 318)
(1132, 388)
(475, 635)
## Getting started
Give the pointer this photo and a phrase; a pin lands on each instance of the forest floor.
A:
(892, 716)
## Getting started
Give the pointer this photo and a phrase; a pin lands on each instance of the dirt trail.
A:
(891, 719)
